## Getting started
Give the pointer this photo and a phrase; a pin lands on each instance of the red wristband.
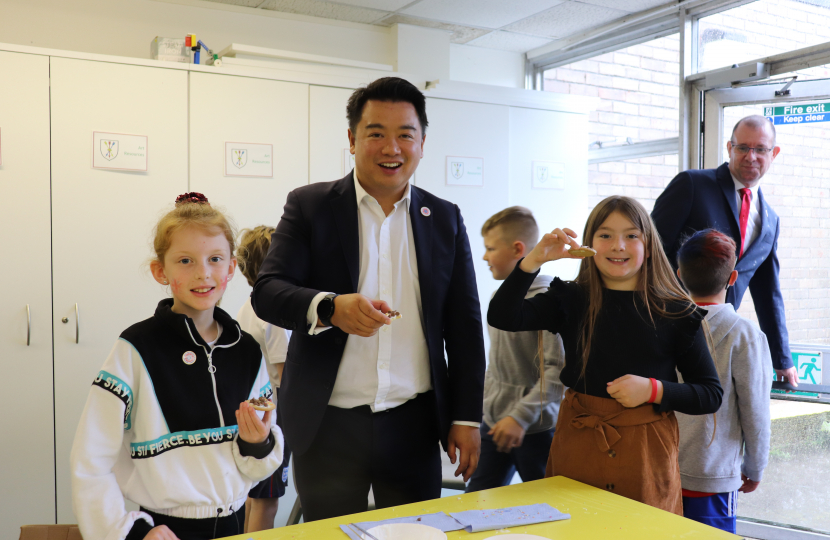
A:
(653, 391)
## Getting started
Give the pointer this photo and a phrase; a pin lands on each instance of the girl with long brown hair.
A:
(627, 327)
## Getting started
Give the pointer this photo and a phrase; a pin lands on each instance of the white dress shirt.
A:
(753, 224)
(373, 372)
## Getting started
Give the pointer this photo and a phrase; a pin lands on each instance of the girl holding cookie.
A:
(166, 424)
(627, 327)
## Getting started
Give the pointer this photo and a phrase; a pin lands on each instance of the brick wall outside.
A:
(638, 92)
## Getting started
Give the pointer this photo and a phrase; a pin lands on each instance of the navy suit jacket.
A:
(699, 199)
(316, 248)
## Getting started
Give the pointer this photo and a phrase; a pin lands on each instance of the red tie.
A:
(746, 198)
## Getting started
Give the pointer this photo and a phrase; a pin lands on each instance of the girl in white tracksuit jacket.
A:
(164, 425)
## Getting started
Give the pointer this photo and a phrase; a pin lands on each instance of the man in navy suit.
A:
(730, 200)
(365, 399)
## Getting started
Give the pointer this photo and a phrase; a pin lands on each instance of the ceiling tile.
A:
(327, 10)
(631, 6)
(508, 41)
(383, 5)
(566, 20)
(484, 13)
(460, 34)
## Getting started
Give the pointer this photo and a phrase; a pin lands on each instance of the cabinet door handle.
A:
(28, 326)
(77, 325)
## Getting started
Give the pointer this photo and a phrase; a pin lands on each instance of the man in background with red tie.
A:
(730, 200)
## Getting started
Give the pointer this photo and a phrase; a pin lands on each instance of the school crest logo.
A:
(109, 149)
(240, 157)
(542, 174)
(457, 168)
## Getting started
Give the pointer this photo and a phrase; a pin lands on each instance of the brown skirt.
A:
(630, 452)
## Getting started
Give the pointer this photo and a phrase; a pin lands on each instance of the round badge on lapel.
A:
(425, 211)
(189, 357)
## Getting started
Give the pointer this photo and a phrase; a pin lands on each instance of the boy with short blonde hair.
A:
(519, 418)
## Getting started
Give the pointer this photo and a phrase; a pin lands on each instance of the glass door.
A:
(795, 490)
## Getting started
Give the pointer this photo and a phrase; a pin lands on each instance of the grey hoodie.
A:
(512, 383)
(742, 358)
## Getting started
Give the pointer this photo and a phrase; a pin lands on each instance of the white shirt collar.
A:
(739, 185)
(361, 193)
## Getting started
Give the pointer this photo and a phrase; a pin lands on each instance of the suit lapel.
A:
(344, 208)
(422, 226)
(728, 187)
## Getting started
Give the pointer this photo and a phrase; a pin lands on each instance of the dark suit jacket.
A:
(698, 199)
(316, 248)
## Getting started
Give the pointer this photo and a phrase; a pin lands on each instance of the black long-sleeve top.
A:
(625, 340)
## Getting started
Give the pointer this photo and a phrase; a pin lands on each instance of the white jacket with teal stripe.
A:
(159, 427)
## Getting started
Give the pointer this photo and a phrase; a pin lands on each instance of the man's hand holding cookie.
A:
(251, 428)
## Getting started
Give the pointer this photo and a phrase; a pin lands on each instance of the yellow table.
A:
(595, 514)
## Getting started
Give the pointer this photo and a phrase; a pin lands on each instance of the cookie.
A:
(393, 314)
(583, 251)
(262, 404)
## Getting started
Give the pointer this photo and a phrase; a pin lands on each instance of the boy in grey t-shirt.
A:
(517, 428)
(712, 474)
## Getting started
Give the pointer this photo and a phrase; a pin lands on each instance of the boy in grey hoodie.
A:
(517, 429)
(712, 474)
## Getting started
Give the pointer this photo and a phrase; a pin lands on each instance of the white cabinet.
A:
(102, 221)
(240, 109)
(328, 133)
(27, 465)
(459, 128)
(559, 138)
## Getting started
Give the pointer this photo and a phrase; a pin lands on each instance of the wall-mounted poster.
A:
(119, 151)
(465, 171)
(249, 159)
(548, 175)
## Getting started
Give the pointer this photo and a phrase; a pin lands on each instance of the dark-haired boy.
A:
(517, 429)
(717, 462)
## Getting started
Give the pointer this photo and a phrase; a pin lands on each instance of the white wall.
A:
(126, 28)
(487, 66)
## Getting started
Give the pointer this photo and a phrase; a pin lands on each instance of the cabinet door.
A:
(459, 128)
(561, 140)
(102, 221)
(232, 109)
(27, 472)
(328, 133)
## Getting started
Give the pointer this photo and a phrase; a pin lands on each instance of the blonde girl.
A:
(166, 424)
(627, 326)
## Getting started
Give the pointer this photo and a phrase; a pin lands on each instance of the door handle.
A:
(77, 325)
(28, 326)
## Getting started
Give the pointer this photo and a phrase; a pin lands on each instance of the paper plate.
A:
(515, 537)
(406, 531)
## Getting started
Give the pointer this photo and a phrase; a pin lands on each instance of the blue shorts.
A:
(716, 510)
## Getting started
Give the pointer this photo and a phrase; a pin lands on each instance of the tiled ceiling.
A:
(509, 25)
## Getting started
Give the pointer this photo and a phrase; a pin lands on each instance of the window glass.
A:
(763, 28)
(643, 179)
(797, 187)
(637, 89)
(794, 489)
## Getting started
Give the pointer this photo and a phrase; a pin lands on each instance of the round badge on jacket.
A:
(189, 357)
(425, 211)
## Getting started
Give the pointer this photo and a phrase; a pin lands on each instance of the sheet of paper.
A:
(249, 159)
(465, 171)
(548, 175)
(119, 151)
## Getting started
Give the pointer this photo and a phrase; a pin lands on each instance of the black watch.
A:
(325, 309)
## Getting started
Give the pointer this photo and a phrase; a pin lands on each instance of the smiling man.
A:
(729, 199)
(366, 399)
